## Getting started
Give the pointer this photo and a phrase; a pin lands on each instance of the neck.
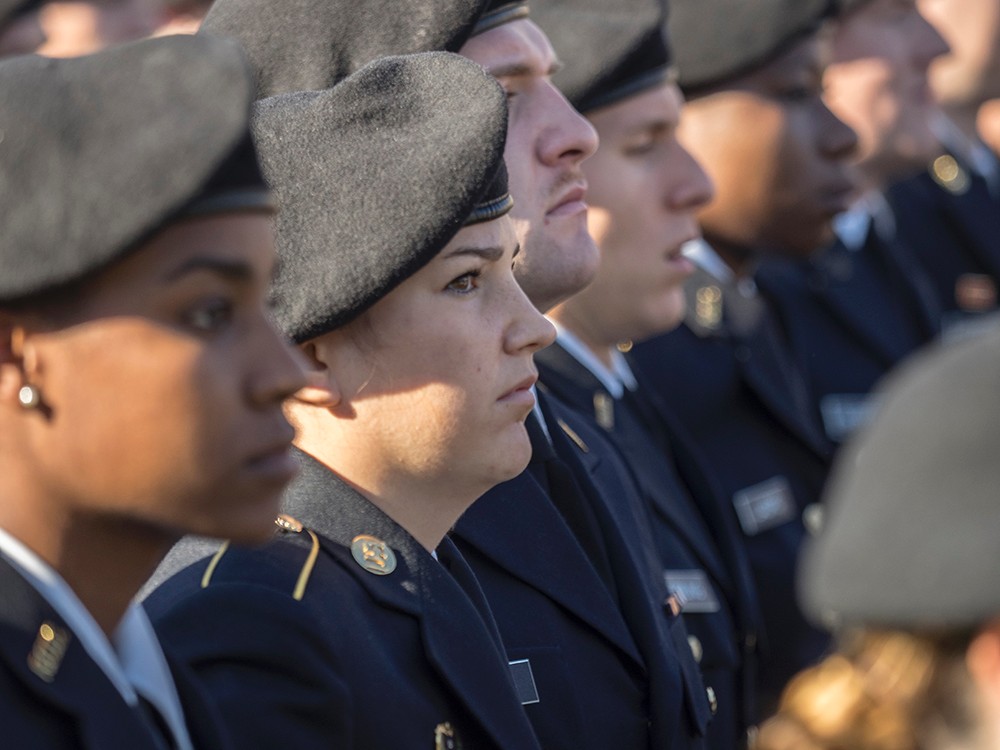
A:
(964, 118)
(741, 260)
(590, 335)
(426, 510)
(104, 559)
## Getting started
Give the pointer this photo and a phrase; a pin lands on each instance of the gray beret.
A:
(373, 178)
(307, 45)
(609, 51)
(914, 503)
(715, 41)
(97, 152)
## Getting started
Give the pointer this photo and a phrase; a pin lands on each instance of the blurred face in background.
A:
(79, 28)
(777, 156)
(970, 73)
(877, 84)
(21, 34)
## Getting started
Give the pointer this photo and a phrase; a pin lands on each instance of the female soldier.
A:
(397, 283)
(906, 568)
(140, 380)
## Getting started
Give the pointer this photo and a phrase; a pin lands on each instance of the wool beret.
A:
(98, 152)
(609, 50)
(308, 45)
(714, 41)
(373, 178)
(913, 512)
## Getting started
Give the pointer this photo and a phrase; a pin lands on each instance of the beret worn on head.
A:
(714, 41)
(99, 151)
(373, 178)
(308, 45)
(609, 50)
(913, 506)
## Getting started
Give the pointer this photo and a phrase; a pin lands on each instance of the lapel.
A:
(457, 642)
(204, 721)
(832, 278)
(78, 687)
(576, 386)
(977, 214)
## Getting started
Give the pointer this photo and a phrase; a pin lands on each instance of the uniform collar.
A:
(703, 255)
(132, 660)
(852, 226)
(615, 379)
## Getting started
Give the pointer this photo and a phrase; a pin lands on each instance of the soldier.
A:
(600, 660)
(756, 121)
(855, 309)
(644, 192)
(141, 382)
(20, 30)
(906, 570)
(361, 625)
(950, 212)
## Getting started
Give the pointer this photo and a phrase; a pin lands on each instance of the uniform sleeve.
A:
(266, 662)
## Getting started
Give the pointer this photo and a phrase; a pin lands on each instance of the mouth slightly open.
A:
(572, 202)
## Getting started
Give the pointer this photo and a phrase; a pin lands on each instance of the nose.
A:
(567, 136)
(692, 187)
(277, 368)
(837, 141)
(528, 330)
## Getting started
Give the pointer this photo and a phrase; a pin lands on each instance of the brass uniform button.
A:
(696, 648)
(950, 175)
(286, 523)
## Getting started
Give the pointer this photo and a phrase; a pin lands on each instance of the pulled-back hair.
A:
(881, 690)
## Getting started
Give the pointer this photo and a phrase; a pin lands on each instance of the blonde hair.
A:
(881, 690)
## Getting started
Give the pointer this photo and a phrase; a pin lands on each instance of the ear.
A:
(983, 661)
(12, 363)
(321, 389)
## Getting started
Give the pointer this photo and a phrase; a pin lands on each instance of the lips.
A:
(521, 389)
(571, 202)
(275, 458)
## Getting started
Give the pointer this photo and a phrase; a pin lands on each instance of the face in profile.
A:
(162, 387)
(546, 142)
(435, 377)
(970, 73)
(21, 34)
(877, 84)
(645, 192)
(777, 156)
(80, 27)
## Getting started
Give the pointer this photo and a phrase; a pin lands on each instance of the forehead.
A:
(659, 106)
(520, 47)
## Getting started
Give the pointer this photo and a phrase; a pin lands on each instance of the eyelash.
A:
(472, 276)
(219, 311)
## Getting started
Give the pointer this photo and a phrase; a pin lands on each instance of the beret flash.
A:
(373, 178)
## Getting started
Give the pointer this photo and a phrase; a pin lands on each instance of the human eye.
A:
(210, 315)
(464, 284)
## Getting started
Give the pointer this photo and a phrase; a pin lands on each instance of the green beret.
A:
(715, 41)
(608, 51)
(374, 177)
(914, 503)
(308, 45)
(98, 152)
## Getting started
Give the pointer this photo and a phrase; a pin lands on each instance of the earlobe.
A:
(321, 389)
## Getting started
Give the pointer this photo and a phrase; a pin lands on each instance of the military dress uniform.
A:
(700, 554)
(565, 564)
(949, 215)
(728, 377)
(343, 632)
(851, 313)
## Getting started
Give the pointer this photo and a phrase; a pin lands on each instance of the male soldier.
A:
(644, 192)
(570, 576)
(950, 213)
(777, 156)
(858, 307)
(20, 30)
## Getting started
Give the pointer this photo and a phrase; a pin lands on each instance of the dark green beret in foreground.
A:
(98, 152)
(714, 41)
(914, 502)
(609, 50)
(307, 45)
(373, 178)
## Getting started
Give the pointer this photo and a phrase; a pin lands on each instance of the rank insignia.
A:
(373, 555)
(48, 651)
(708, 306)
(571, 434)
(604, 410)
(445, 738)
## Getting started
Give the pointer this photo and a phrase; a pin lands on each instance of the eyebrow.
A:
(229, 269)
(491, 254)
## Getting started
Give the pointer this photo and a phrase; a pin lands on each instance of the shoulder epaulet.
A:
(286, 525)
